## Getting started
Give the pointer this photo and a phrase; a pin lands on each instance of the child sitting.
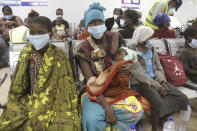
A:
(59, 31)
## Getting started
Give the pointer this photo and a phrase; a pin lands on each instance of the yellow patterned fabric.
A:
(130, 104)
(53, 104)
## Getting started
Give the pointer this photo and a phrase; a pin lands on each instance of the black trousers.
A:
(163, 106)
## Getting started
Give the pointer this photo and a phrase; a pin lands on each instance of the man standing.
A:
(163, 6)
(59, 13)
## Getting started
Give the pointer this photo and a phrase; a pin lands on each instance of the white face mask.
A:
(97, 31)
(193, 44)
(122, 22)
(39, 41)
(115, 17)
(171, 8)
(8, 17)
(139, 19)
(59, 16)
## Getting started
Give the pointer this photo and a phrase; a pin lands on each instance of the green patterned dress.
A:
(51, 105)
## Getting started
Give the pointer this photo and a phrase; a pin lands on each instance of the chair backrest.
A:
(15, 49)
(176, 46)
(159, 44)
(62, 45)
(14, 52)
(76, 43)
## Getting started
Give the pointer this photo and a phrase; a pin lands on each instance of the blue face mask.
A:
(150, 43)
(97, 31)
(193, 44)
(39, 41)
(122, 22)
(171, 8)
(8, 17)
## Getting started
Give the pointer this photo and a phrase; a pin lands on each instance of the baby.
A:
(115, 89)
(113, 85)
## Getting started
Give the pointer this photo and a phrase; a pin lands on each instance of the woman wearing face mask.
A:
(189, 54)
(162, 6)
(95, 55)
(43, 93)
(164, 97)
(113, 23)
(130, 20)
(163, 22)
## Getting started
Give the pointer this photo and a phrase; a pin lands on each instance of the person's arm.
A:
(184, 57)
(86, 70)
(66, 32)
(158, 9)
(159, 72)
(121, 41)
(2, 22)
(19, 21)
(66, 26)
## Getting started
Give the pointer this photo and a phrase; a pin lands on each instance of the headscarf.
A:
(95, 11)
(141, 34)
(161, 18)
(178, 4)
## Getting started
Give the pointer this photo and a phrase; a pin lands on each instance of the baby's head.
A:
(120, 54)
(125, 53)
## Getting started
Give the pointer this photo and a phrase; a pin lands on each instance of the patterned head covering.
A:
(95, 11)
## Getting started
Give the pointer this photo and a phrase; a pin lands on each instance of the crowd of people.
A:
(121, 81)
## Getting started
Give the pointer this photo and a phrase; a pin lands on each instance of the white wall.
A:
(187, 10)
(74, 9)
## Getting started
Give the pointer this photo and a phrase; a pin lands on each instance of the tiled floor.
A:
(192, 125)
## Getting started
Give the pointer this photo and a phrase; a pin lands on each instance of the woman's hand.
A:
(164, 90)
(110, 116)
(125, 69)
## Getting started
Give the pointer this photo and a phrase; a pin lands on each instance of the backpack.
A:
(173, 69)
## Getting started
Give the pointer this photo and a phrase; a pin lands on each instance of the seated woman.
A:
(95, 55)
(164, 97)
(162, 20)
(131, 19)
(110, 83)
(189, 54)
(43, 94)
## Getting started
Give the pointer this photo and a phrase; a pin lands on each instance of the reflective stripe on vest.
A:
(19, 34)
(60, 29)
(149, 21)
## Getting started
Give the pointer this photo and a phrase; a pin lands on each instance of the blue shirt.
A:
(148, 57)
